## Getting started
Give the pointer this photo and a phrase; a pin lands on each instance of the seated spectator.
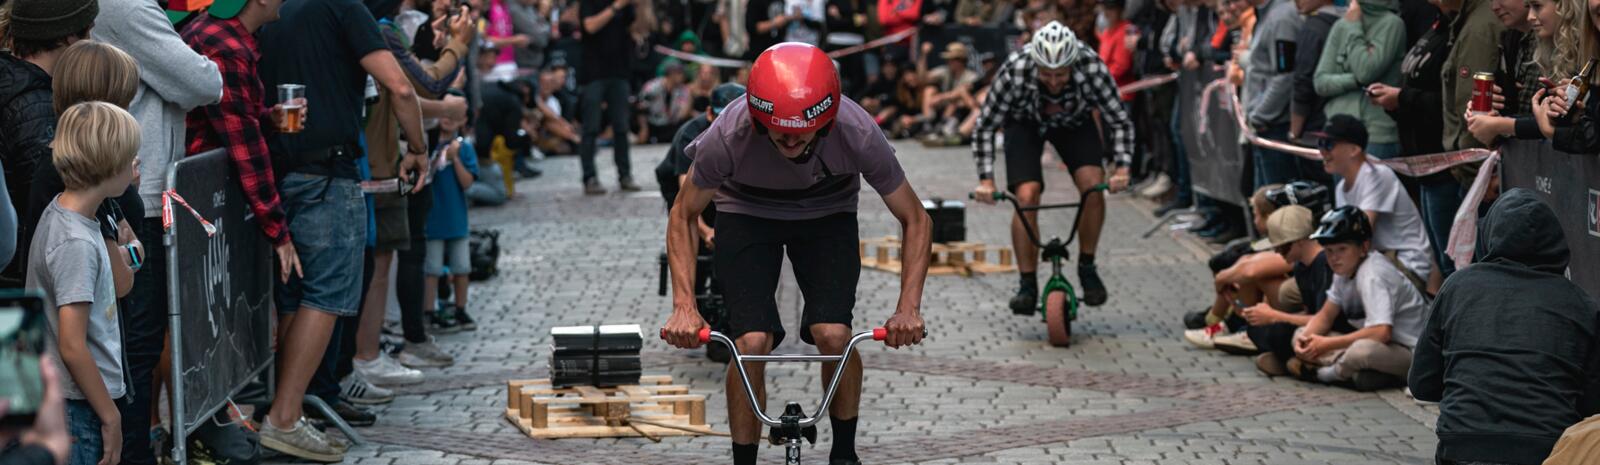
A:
(663, 105)
(1510, 351)
(1364, 49)
(1376, 190)
(1272, 327)
(879, 96)
(1254, 278)
(553, 134)
(1374, 296)
(947, 95)
(908, 98)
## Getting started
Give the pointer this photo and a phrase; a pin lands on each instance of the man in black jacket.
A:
(1511, 352)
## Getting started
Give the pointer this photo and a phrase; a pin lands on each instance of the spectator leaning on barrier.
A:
(39, 32)
(1376, 190)
(1516, 76)
(174, 79)
(1414, 105)
(1305, 106)
(1573, 133)
(329, 46)
(1475, 48)
(1363, 49)
(1386, 311)
(96, 149)
(1268, 83)
(1512, 350)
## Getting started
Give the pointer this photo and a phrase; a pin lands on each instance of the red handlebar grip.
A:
(879, 334)
(663, 333)
(705, 335)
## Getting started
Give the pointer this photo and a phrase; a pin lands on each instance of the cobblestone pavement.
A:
(984, 388)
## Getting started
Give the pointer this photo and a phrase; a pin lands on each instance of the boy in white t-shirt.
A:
(1370, 292)
(1376, 190)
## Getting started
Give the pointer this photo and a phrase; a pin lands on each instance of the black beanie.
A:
(43, 20)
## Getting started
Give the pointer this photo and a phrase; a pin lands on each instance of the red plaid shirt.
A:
(237, 122)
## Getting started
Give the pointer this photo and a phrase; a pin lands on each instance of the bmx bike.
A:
(1058, 300)
(793, 425)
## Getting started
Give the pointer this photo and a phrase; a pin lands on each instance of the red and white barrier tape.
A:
(732, 63)
(874, 43)
(1147, 83)
(171, 196)
(1464, 230)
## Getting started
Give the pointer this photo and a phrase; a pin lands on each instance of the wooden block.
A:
(1005, 257)
(883, 255)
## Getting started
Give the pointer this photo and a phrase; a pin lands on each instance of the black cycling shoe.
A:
(1025, 302)
(1094, 290)
(1196, 319)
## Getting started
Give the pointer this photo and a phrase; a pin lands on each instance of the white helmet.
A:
(1054, 46)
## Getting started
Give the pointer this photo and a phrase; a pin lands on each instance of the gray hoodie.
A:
(173, 79)
(1267, 91)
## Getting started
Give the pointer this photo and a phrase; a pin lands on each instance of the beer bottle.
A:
(1578, 88)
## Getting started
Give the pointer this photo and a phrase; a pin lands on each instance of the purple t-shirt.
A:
(752, 178)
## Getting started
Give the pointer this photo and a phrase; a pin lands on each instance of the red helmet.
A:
(794, 89)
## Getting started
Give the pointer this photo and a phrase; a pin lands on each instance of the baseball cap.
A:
(724, 94)
(1285, 226)
(1343, 128)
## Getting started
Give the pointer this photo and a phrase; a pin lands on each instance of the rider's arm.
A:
(905, 326)
(1113, 113)
(993, 114)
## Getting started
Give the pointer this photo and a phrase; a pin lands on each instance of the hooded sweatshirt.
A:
(1358, 54)
(1511, 351)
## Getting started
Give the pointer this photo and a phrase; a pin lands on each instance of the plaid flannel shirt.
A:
(238, 122)
(1015, 97)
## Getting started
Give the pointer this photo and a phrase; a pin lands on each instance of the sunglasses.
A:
(1325, 144)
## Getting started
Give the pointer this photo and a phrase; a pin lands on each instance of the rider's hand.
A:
(984, 193)
(683, 329)
(905, 329)
(1119, 181)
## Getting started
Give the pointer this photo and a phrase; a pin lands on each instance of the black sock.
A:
(1085, 259)
(744, 454)
(1030, 280)
(844, 439)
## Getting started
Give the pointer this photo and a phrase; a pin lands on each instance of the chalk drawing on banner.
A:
(216, 276)
(1594, 213)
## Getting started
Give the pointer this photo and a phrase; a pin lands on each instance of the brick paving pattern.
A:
(984, 388)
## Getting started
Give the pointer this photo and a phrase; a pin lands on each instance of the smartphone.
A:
(23, 335)
(1341, 3)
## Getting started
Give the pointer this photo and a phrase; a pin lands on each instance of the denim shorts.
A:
(448, 257)
(325, 218)
(84, 426)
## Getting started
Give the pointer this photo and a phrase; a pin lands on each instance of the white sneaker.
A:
(425, 355)
(356, 390)
(384, 371)
(1237, 343)
(1157, 187)
(1205, 338)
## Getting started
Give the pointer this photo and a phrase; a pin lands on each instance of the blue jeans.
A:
(1383, 151)
(330, 244)
(1272, 166)
(84, 426)
(1441, 196)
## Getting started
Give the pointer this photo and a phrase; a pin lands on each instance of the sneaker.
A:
(1419, 402)
(1094, 290)
(1302, 370)
(351, 414)
(357, 390)
(1196, 319)
(443, 321)
(301, 441)
(465, 321)
(1159, 186)
(1205, 338)
(1270, 365)
(1171, 207)
(1025, 302)
(425, 355)
(1237, 343)
(627, 184)
(384, 371)
(523, 169)
(592, 186)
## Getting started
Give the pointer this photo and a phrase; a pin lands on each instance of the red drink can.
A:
(1482, 93)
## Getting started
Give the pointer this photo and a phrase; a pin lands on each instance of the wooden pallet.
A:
(541, 411)
(963, 258)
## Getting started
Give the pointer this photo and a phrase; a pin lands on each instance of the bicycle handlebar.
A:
(1029, 227)
(707, 335)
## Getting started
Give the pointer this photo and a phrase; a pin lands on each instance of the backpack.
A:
(484, 245)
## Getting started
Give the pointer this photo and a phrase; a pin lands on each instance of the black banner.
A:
(1571, 185)
(220, 287)
(1216, 159)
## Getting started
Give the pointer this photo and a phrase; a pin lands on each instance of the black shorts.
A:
(1024, 145)
(749, 259)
